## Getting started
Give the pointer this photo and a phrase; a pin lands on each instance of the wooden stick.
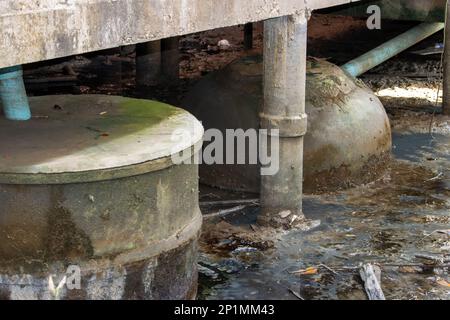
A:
(228, 202)
(223, 213)
(371, 275)
(296, 294)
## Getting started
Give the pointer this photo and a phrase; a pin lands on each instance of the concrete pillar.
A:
(148, 63)
(446, 67)
(111, 70)
(170, 59)
(285, 41)
(248, 36)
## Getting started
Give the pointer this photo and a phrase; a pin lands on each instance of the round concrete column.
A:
(91, 184)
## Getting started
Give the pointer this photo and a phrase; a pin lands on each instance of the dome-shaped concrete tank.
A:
(89, 187)
(348, 139)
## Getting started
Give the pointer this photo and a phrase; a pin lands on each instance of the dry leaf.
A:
(444, 283)
(447, 232)
(408, 269)
(307, 271)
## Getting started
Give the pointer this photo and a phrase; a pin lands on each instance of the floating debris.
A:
(371, 275)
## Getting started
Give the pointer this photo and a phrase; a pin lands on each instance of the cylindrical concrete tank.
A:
(91, 184)
(349, 136)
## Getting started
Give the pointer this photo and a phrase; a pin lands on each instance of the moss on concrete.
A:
(147, 109)
(135, 114)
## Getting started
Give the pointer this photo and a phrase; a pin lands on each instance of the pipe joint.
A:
(288, 126)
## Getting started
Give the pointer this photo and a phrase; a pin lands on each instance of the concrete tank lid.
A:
(93, 137)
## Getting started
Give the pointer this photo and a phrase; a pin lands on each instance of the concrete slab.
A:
(93, 137)
(34, 30)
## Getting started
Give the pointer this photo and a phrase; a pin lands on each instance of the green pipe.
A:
(13, 96)
(391, 48)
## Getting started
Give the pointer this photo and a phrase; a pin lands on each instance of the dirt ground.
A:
(400, 222)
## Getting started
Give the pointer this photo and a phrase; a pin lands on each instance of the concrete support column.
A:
(446, 85)
(248, 36)
(148, 63)
(285, 41)
(170, 58)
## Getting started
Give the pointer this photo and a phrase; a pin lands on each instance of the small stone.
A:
(284, 214)
(239, 250)
(224, 44)
(294, 218)
(409, 269)
(307, 225)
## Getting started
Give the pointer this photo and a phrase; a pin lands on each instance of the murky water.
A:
(391, 222)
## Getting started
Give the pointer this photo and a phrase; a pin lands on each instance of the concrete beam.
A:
(32, 31)
(283, 108)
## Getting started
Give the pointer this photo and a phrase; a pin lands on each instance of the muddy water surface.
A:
(391, 222)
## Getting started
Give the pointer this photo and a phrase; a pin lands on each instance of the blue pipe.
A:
(13, 95)
(391, 48)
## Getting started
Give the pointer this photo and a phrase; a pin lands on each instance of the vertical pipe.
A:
(446, 64)
(170, 58)
(148, 63)
(13, 95)
(248, 36)
(285, 41)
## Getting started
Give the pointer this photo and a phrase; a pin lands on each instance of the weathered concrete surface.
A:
(40, 30)
(128, 231)
(113, 136)
(421, 10)
(348, 138)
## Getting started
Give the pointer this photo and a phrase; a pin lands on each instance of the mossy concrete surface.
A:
(92, 137)
(89, 182)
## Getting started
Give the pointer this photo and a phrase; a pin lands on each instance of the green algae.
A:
(133, 115)
(150, 110)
